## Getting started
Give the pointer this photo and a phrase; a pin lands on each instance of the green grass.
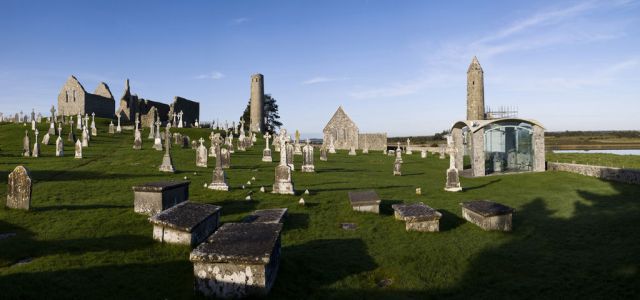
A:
(574, 236)
(597, 159)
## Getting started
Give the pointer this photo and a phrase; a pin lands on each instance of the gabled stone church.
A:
(345, 134)
(73, 99)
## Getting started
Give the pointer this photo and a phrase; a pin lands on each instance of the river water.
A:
(618, 152)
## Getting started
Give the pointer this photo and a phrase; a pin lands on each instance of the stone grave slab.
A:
(274, 215)
(418, 217)
(488, 215)
(187, 223)
(365, 201)
(238, 260)
(154, 197)
(19, 189)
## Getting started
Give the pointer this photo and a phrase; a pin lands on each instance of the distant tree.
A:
(270, 113)
(441, 135)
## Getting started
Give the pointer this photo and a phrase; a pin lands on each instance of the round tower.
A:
(475, 91)
(257, 103)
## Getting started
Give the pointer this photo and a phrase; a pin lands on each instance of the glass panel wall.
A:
(508, 147)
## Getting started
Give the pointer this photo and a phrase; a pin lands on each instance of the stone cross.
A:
(119, 129)
(283, 139)
(451, 150)
(93, 120)
(180, 119)
(53, 111)
(297, 136)
(216, 141)
(167, 138)
(242, 125)
(158, 126)
(59, 130)
(267, 136)
(137, 122)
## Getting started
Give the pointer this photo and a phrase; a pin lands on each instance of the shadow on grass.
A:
(117, 281)
(296, 221)
(464, 189)
(232, 207)
(79, 207)
(449, 220)
(362, 189)
(319, 263)
(385, 206)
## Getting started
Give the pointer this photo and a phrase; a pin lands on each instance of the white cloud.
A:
(321, 79)
(213, 76)
(238, 21)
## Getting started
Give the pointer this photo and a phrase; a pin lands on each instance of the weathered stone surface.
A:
(154, 197)
(274, 215)
(78, 149)
(342, 133)
(631, 176)
(453, 181)
(307, 159)
(19, 189)
(74, 99)
(187, 223)
(257, 103)
(238, 260)
(418, 217)
(365, 201)
(488, 215)
(283, 183)
(397, 168)
(225, 159)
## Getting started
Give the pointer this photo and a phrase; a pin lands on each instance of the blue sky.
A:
(395, 66)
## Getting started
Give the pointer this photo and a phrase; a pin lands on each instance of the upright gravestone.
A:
(283, 183)
(78, 149)
(399, 153)
(19, 189)
(137, 137)
(423, 153)
(186, 142)
(85, 137)
(307, 158)
(79, 121)
(266, 153)
(352, 151)
(226, 158)
(323, 154)
(396, 168)
(219, 182)
(157, 141)
(201, 155)
(167, 163)
(332, 147)
(289, 151)
(453, 178)
(46, 138)
(26, 145)
(36, 146)
(119, 128)
(59, 147)
(72, 133)
(94, 130)
(212, 149)
(180, 119)
(112, 128)
(409, 152)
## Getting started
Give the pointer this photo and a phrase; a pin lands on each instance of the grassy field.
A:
(574, 236)
(598, 159)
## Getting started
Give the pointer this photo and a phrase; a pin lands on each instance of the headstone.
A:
(94, 130)
(167, 163)
(453, 178)
(52, 128)
(85, 137)
(488, 215)
(283, 183)
(418, 217)
(59, 147)
(297, 149)
(45, 139)
(423, 153)
(36, 146)
(289, 152)
(399, 153)
(266, 153)
(323, 154)
(112, 129)
(225, 160)
(79, 121)
(396, 168)
(157, 141)
(197, 124)
(137, 137)
(352, 151)
(78, 153)
(72, 134)
(186, 141)
(33, 125)
(177, 138)
(119, 128)
(26, 145)
(307, 158)
(188, 223)
(365, 201)
(409, 152)
(180, 119)
(19, 189)
(212, 148)
(219, 182)
(239, 260)
(194, 145)
(201, 155)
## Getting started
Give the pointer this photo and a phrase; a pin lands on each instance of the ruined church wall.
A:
(103, 107)
(375, 141)
(190, 110)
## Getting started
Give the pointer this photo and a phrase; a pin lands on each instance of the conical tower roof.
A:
(475, 65)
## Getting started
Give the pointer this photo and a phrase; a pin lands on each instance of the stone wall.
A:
(73, 99)
(103, 107)
(374, 141)
(144, 106)
(607, 173)
(190, 110)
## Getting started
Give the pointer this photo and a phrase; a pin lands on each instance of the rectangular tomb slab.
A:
(366, 201)
(238, 260)
(187, 223)
(274, 215)
(154, 197)
(418, 217)
(488, 215)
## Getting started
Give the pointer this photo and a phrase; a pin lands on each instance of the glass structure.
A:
(508, 147)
